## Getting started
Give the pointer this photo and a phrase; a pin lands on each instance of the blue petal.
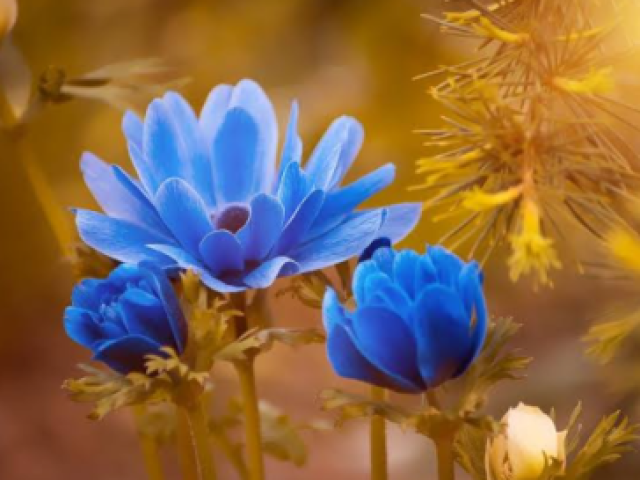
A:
(145, 169)
(293, 189)
(401, 219)
(332, 310)
(447, 265)
(444, 335)
(299, 223)
(162, 145)
(335, 152)
(214, 110)
(133, 129)
(425, 274)
(81, 326)
(249, 96)
(384, 258)
(127, 354)
(292, 149)
(235, 158)
(342, 202)
(185, 261)
(194, 153)
(470, 288)
(88, 293)
(385, 340)
(263, 228)
(382, 291)
(221, 253)
(143, 314)
(405, 269)
(348, 362)
(184, 212)
(345, 241)
(119, 239)
(367, 253)
(264, 275)
(362, 272)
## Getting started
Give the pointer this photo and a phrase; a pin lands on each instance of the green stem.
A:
(378, 440)
(444, 452)
(252, 427)
(149, 446)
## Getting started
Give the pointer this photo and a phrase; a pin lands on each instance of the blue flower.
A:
(131, 313)
(419, 321)
(210, 198)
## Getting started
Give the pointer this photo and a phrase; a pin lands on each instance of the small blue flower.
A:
(419, 321)
(210, 198)
(131, 313)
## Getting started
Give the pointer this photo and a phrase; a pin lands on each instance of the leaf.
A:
(308, 288)
(280, 436)
(469, 446)
(606, 339)
(493, 365)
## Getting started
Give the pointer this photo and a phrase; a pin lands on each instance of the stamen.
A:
(232, 218)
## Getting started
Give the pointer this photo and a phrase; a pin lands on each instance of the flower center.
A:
(232, 218)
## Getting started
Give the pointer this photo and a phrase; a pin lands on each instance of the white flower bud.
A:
(8, 15)
(529, 442)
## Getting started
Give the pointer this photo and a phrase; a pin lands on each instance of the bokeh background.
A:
(336, 57)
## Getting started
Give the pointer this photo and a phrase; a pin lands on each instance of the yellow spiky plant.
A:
(531, 144)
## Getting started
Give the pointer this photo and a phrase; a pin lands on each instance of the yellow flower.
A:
(596, 82)
(625, 247)
(530, 249)
(478, 200)
(8, 15)
(529, 442)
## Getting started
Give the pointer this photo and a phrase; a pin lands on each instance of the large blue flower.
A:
(131, 313)
(210, 197)
(419, 321)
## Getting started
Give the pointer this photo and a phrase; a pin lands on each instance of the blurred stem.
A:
(252, 427)
(443, 444)
(234, 456)
(193, 439)
(444, 452)
(378, 439)
(246, 376)
(149, 446)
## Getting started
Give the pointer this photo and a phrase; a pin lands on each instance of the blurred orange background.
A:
(336, 57)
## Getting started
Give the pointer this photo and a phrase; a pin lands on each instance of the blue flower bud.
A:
(420, 320)
(126, 316)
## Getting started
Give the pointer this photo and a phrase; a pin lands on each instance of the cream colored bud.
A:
(528, 443)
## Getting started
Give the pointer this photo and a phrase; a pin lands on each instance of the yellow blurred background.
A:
(336, 57)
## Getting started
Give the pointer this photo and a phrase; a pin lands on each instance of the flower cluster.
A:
(529, 150)
(209, 196)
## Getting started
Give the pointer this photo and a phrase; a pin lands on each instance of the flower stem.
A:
(444, 452)
(253, 434)
(149, 446)
(195, 447)
(378, 440)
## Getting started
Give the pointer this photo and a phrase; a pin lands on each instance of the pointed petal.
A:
(263, 228)
(127, 354)
(342, 202)
(300, 222)
(184, 212)
(235, 158)
(335, 153)
(264, 275)
(401, 219)
(221, 253)
(384, 340)
(133, 128)
(405, 266)
(292, 149)
(144, 169)
(345, 241)
(444, 335)
(293, 189)
(119, 239)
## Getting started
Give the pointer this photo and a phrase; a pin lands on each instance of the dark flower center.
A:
(232, 218)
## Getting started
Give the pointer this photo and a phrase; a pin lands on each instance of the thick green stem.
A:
(252, 427)
(444, 452)
(149, 446)
(378, 440)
